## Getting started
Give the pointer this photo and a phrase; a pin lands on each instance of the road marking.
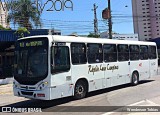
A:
(137, 103)
(150, 103)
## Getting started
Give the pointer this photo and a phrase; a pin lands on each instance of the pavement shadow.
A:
(43, 104)
(117, 88)
(53, 103)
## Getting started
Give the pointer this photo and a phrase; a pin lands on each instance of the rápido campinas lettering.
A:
(112, 67)
(93, 69)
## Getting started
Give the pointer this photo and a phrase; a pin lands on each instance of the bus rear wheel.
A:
(135, 78)
(80, 90)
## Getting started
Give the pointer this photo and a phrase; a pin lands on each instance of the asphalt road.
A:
(98, 102)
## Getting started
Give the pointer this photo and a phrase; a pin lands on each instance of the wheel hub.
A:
(80, 90)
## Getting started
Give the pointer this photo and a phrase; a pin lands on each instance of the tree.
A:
(24, 13)
(21, 31)
(2, 28)
(93, 35)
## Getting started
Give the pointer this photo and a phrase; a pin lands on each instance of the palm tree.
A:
(24, 13)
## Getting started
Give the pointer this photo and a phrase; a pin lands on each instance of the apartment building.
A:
(146, 19)
(3, 15)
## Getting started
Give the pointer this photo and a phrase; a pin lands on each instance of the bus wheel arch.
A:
(81, 88)
(135, 78)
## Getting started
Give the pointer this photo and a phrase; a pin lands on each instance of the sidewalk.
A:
(6, 81)
(6, 95)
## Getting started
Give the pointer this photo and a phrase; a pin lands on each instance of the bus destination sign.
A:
(31, 44)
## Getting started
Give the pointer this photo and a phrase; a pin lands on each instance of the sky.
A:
(71, 16)
(80, 19)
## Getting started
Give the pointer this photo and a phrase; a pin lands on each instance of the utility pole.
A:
(110, 19)
(95, 19)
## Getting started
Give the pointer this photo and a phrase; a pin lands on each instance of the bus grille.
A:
(27, 93)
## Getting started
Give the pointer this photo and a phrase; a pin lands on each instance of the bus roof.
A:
(69, 39)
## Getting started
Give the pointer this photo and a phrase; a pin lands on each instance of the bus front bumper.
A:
(33, 94)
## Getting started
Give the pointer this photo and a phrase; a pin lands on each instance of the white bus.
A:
(51, 67)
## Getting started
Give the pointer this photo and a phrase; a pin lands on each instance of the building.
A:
(3, 15)
(133, 37)
(146, 18)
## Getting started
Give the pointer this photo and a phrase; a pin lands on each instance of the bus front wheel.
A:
(135, 78)
(80, 90)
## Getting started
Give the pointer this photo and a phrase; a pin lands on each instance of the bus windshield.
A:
(31, 62)
(31, 59)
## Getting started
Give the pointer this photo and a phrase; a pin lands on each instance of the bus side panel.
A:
(134, 66)
(91, 72)
(153, 67)
(61, 85)
(143, 69)
(123, 72)
(111, 76)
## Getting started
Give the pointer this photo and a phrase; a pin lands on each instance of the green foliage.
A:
(21, 31)
(25, 15)
(2, 28)
(93, 35)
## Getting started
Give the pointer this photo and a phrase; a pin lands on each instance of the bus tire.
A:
(80, 90)
(135, 78)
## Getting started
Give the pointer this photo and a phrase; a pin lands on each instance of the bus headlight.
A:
(16, 85)
(42, 85)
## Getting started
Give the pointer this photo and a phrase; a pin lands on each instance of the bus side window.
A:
(134, 52)
(123, 52)
(60, 60)
(143, 52)
(152, 52)
(110, 52)
(78, 53)
(94, 53)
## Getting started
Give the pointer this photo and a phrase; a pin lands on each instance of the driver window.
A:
(60, 60)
